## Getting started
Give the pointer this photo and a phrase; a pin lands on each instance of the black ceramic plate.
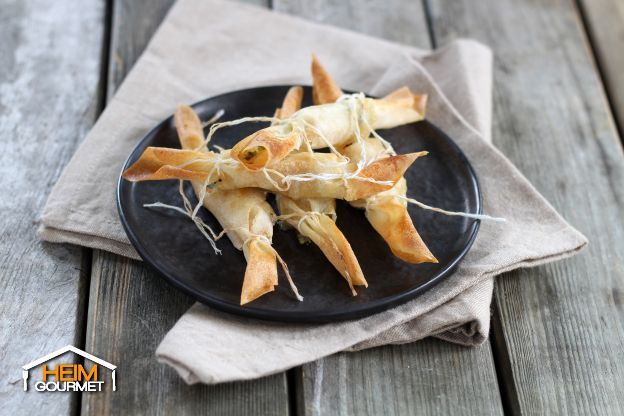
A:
(169, 241)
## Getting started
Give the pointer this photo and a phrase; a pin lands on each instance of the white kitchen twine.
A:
(201, 225)
(214, 118)
(212, 237)
(315, 217)
(302, 216)
(216, 168)
(435, 209)
(356, 105)
(451, 213)
(269, 247)
(204, 228)
(216, 126)
(312, 215)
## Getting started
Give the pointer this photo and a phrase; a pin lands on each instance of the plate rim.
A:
(367, 309)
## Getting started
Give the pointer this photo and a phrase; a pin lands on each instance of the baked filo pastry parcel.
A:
(328, 124)
(244, 214)
(386, 211)
(314, 218)
(299, 175)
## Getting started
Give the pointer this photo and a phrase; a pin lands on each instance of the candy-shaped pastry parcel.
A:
(299, 175)
(359, 167)
(326, 125)
(314, 218)
(244, 214)
(386, 211)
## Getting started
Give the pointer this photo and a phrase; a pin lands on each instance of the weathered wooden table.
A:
(558, 331)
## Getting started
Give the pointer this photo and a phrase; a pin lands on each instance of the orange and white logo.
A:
(68, 377)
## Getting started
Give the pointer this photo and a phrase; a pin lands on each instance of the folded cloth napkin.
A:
(204, 48)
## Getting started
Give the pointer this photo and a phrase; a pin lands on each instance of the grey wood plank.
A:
(394, 20)
(133, 28)
(50, 60)
(428, 377)
(131, 308)
(605, 23)
(562, 324)
(130, 311)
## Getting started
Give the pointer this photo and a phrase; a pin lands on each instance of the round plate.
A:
(171, 244)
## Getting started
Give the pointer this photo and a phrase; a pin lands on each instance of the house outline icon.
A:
(26, 367)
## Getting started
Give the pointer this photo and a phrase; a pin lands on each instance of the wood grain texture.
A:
(133, 26)
(605, 23)
(427, 377)
(131, 308)
(563, 323)
(130, 311)
(394, 20)
(50, 60)
(430, 377)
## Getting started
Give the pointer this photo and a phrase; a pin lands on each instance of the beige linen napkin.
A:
(205, 48)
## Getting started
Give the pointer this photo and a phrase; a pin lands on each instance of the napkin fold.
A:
(204, 48)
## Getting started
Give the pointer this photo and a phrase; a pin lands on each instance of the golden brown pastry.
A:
(244, 214)
(300, 175)
(314, 218)
(324, 89)
(291, 104)
(327, 125)
(386, 211)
